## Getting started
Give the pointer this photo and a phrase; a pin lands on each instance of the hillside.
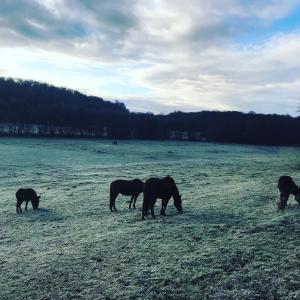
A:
(40, 103)
(29, 102)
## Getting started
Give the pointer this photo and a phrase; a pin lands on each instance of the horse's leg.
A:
(152, 212)
(115, 209)
(134, 201)
(285, 200)
(131, 200)
(17, 208)
(152, 208)
(144, 209)
(165, 206)
(162, 206)
(281, 201)
(26, 205)
(112, 201)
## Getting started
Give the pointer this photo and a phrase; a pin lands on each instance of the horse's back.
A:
(26, 194)
(160, 188)
(126, 187)
(152, 186)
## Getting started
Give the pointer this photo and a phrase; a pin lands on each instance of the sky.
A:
(160, 55)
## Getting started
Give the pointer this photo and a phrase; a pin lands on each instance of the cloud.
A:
(3, 72)
(169, 53)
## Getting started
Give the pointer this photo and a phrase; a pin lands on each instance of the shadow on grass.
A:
(42, 214)
(211, 217)
(294, 206)
(201, 217)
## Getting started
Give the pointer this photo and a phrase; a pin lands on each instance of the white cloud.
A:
(184, 54)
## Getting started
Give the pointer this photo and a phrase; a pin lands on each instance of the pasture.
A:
(229, 243)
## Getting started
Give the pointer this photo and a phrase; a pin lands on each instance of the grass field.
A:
(230, 242)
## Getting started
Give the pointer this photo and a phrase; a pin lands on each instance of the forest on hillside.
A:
(30, 102)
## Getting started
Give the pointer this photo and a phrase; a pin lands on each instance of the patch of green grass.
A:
(230, 242)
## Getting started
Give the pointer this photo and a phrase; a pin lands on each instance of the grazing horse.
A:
(163, 189)
(125, 187)
(286, 187)
(27, 195)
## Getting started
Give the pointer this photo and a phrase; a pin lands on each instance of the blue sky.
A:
(288, 23)
(160, 55)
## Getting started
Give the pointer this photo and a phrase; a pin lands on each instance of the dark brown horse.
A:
(125, 187)
(27, 195)
(164, 189)
(286, 187)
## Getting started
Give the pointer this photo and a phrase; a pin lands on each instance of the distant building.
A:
(178, 135)
(195, 136)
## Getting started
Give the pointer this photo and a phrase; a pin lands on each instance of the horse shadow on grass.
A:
(42, 215)
(210, 217)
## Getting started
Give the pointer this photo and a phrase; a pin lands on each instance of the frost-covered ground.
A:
(230, 243)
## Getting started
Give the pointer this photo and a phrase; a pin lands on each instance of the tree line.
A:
(30, 102)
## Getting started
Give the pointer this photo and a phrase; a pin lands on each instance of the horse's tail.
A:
(146, 204)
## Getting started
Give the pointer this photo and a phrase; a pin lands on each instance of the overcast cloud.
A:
(159, 55)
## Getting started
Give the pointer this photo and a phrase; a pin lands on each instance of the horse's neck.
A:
(167, 191)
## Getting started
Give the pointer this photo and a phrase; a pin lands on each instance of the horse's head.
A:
(35, 202)
(178, 202)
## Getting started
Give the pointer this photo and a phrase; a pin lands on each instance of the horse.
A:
(286, 187)
(125, 187)
(164, 189)
(27, 195)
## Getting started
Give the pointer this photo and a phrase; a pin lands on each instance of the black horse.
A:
(163, 189)
(287, 186)
(125, 187)
(27, 195)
